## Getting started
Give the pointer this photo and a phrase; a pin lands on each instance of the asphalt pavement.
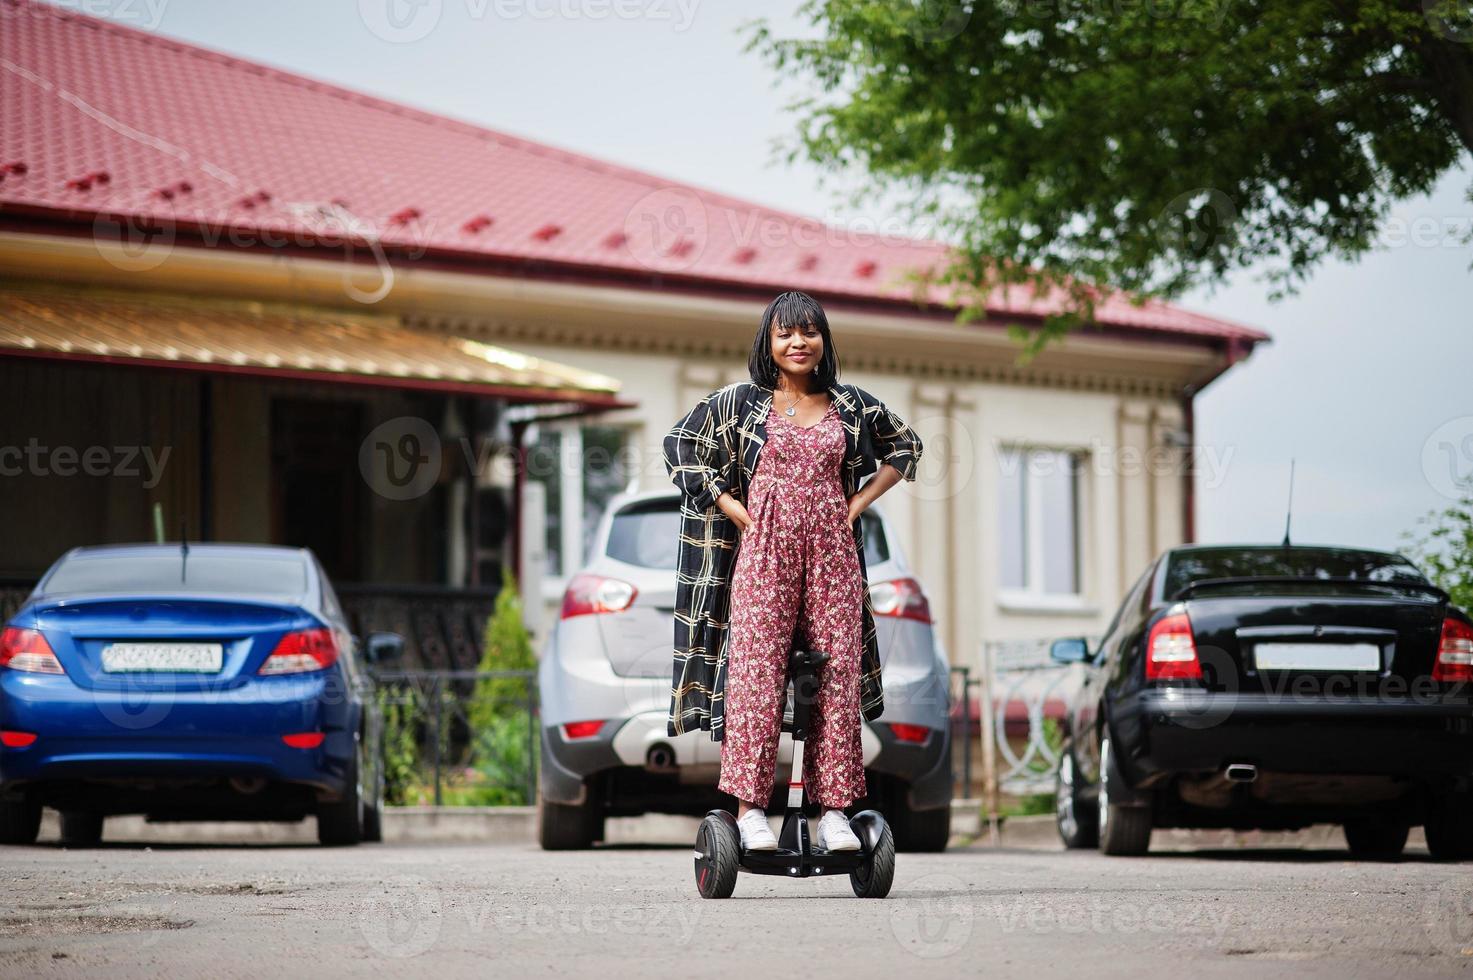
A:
(450, 910)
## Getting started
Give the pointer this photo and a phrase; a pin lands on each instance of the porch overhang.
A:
(282, 340)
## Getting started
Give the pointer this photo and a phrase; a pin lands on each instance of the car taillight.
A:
(909, 733)
(900, 597)
(303, 740)
(1171, 653)
(1455, 652)
(16, 740)
(581, 729)
(27, 650)
(588, 593)
(302, 650)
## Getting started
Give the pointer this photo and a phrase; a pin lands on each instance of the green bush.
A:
(1444, 549)
(502, 749)
(401, 751)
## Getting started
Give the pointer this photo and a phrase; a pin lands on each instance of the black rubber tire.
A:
(719, 847)
(873, 878)
(1376, 838)
(20, 821)
(922, 831)
(81, 828)
(340, 823)
(1124, 831)
(373, 807)
(561, 827)
(1449, 826)
(1076, 821)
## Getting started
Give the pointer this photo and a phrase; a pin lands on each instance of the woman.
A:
(770, 529)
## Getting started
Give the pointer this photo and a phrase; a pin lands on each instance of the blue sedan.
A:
(188, 682)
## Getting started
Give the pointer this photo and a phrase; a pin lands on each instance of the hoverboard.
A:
(719, 854)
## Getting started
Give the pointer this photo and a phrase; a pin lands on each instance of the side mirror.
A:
(383, 647)
(1071, 651)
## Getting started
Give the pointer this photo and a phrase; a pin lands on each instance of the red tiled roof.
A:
(101, 119)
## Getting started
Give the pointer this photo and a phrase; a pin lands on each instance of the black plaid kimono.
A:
(715, 448)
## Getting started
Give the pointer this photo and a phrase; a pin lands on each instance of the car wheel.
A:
(921, 831)
(1125, 830)
(373, 807)
(561, 827)
(1376, 837)
(1077, 822)
(1449, 825)
(81, 828)
(340, 823)
(20, 821)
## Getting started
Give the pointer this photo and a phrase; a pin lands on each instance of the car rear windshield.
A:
(648, 535)
(1310, 564)
(167, 572)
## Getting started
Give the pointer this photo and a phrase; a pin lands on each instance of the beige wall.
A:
(947, 518)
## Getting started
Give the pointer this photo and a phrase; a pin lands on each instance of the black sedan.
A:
(1272, 687)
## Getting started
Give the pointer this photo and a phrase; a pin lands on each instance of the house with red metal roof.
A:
(336, 321)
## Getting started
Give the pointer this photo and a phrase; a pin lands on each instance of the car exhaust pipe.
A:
(247, 785)
(660, 758)
(1241, 772)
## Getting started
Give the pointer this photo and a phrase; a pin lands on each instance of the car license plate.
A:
(118, 657)
(1317, 656)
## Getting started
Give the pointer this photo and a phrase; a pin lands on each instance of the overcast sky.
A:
(1368, 382)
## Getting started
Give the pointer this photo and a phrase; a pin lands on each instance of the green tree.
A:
(1443, 546)
(1142, 145)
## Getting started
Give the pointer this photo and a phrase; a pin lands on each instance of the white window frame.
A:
(570, 456)
(1031, 597)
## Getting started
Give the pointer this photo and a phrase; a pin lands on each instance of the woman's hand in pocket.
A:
(733, 508)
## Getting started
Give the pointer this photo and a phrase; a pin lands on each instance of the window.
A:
(170, 569)
(1038, 524)
(581, 468)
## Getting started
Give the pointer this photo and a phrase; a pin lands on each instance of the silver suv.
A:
(605, 677)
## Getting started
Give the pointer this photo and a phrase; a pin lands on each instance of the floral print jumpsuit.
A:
(796, 567)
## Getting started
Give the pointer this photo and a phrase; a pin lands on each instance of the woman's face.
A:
(796, 348)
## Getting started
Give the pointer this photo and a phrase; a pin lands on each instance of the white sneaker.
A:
(834, 833)
(756, 834)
